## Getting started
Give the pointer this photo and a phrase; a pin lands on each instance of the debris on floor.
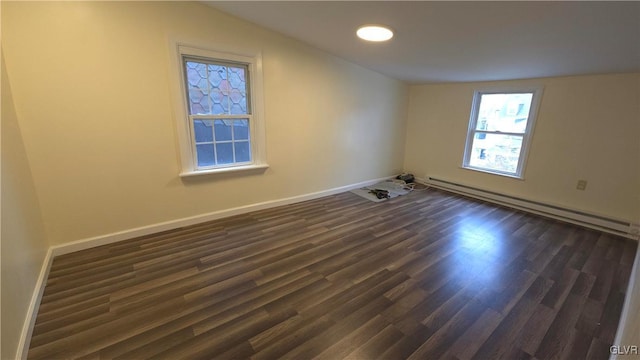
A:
(384, 190)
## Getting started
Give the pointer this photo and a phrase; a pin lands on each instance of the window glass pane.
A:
(504, 112)
(205, 155)
(223, 130)
(224, 152)
(217, 73)
(237, 79)
(496, 152)
(219, 89)
(198, 102)
(219, 103)
(238, 103)
(241, 129)
(243, 152)
(203, 130)
(196, 75)
(238, 90)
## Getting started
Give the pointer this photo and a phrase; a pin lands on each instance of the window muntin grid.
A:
(219, 106)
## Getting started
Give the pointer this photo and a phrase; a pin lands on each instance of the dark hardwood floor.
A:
(430, 275)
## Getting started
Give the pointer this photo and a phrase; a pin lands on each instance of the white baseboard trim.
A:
(34, 304)
(625, 335)
(598, 222)
(27, 329)
(174, 224)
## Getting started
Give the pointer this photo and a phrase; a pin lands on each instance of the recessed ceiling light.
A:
(374, 33)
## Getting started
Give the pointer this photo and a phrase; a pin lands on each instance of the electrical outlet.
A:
(582, 185)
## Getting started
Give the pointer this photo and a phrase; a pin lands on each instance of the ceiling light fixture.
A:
(375, 33)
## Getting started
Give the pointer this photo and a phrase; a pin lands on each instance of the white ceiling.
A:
(463, 41)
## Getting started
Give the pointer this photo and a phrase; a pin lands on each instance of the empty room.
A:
(320, 180)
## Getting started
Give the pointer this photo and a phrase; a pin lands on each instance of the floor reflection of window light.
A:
(482, 249)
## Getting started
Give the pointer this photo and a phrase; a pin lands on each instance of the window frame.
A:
(536, 92)
(182, 51)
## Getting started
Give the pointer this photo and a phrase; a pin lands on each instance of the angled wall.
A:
(92, 84)
(23, 243)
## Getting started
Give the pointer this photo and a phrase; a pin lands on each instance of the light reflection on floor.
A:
(479, 251)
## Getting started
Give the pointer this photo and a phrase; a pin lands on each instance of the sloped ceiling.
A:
(463, 41)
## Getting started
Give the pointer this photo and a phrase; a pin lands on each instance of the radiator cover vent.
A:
(598, 222)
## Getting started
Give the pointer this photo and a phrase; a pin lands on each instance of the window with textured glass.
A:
(219, 107)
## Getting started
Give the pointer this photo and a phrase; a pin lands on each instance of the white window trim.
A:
(526, 137)
(184, 128)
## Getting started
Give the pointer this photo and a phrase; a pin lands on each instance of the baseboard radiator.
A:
(598, 222)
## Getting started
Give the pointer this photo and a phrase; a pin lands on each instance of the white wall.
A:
(587, 128)
(23, 246)
(91, 87)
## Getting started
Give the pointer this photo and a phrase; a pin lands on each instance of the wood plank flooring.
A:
(429, 275)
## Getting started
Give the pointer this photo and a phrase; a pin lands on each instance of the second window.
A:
(499, 131)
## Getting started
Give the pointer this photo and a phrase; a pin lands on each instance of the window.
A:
(219, 116)
(500, 131)
(219, 111)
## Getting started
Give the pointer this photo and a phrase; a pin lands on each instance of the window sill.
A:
(226, 170)
(512, 176)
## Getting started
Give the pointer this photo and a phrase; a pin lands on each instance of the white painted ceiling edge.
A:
(462, 41)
